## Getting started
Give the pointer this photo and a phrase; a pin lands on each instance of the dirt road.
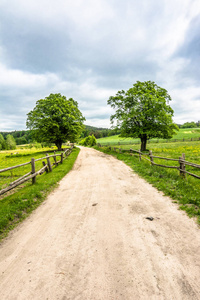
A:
(90, 240)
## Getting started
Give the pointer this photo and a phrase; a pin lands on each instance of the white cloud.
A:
(89, 50)
(17, 78)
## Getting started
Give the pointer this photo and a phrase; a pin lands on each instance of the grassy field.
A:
(9, 158)
(186, 134)
(186, 191)
(17, 204)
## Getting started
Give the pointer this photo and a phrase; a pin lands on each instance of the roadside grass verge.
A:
(185, 192)
(16, 207)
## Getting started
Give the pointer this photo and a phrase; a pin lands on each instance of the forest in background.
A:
(9, 139)
(23, 137)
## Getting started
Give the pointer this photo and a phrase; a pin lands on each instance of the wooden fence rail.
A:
(47, 167)
(14, 167)
(181, 161)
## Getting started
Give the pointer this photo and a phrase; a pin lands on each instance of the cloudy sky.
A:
(89, 50)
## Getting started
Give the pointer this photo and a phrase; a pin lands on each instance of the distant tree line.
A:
(7, 143)
(190, 125)
(98, 132)
(9, 140)
(21, 137)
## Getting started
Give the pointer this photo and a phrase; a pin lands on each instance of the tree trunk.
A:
(59, 145)
(143, 139)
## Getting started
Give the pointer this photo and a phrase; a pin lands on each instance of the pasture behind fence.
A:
(181, 167)
(152, 141)
(47, 167)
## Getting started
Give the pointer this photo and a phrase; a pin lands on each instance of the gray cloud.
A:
(190, 51)
(90, 50)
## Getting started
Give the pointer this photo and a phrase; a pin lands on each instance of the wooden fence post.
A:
(61, 158)
(55, 158)
(48, 162)
(140, 156)
(151, 156)
(66, 153)
(44, 164)
(182, 165)
(33, 170)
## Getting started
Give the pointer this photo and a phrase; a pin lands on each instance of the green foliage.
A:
(55, 119)
(2, 143)
(21, 137)
(97, 132)
(88, 141)
(21, 140)
(189, 125)
(10, 142)
(144, 112)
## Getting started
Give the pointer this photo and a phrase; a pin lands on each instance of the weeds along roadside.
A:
(16, 207)
(185, 192)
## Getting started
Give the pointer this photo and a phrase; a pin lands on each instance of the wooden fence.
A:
(47, 167)
(150, 157)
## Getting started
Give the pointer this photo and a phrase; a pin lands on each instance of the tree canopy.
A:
(55, 119)
(144, 112)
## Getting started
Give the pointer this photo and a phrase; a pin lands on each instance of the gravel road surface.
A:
(91, 240)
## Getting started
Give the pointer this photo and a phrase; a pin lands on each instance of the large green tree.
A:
(10, 142)
(2, 142)
(55, 119)
(144, 112)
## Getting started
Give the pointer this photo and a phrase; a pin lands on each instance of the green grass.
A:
(16, 207)
(186, 133)
(173, 150)
(115, 139)
(186, 191)
(17, 157)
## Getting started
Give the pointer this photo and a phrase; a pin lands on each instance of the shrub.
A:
(88, 141)
(10, 142)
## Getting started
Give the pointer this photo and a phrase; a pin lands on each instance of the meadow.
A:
(9, 158)
(183, 134)
(18, 203)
